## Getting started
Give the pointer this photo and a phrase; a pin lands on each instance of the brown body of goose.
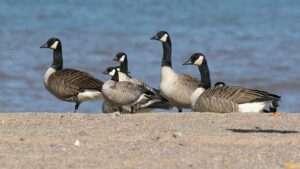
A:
(226, 99)
(69, 84)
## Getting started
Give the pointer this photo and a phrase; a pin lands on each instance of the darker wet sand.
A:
(149, 141)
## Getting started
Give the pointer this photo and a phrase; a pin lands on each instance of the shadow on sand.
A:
(259, 130)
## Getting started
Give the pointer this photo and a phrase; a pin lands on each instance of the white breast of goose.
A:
(123, 77)
(255, 107)
(108, 90)
(48, 73)
(173, 89)
(107, 86)
(196, 94)
(167, 79)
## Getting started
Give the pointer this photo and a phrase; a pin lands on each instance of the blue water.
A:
(255, 44)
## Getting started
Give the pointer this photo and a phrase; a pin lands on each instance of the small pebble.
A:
(181, 144)
(157, 138)
(77, 143)
(116, 114)
(177, 134)
(257, 128)
(83, 133)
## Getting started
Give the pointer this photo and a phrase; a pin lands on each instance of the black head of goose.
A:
(123, 93)
(121, 57)
(177, 88)
(69, 84)
(200, 60)
(226, 99)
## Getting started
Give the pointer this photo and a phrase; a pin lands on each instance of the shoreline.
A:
(149, 140)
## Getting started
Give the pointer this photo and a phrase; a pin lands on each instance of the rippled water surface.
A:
(250, 43)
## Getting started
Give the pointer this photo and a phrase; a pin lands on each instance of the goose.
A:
(69, 84)
(107, 107)
(176, 88)
(123, 93)
(158, 102)
(226, 99)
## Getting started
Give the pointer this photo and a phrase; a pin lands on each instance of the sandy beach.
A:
(149, 141)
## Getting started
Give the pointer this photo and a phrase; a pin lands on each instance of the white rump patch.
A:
(255, 107)
(54, 45)
(164, 38)
(48, 73)
(199, 61)
(122, 58)
(196, 94)
(89, 95)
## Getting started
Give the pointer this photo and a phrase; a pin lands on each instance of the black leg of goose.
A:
(273, 109)
(76, 106)
(120, 109)
(132, 109)
(179, 109)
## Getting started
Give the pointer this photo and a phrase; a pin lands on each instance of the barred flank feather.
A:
(227, 99)
(66, 84)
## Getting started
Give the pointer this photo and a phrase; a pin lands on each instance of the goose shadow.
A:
(260, 130)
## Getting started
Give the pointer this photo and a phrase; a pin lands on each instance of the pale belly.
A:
(176, 94)
(117, 97)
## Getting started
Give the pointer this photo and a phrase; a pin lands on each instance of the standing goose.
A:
(69, 84)
(123, 93)
(177, 88)
(156, 102)
(226, 99)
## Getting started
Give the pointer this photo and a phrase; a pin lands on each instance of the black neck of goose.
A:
(205, 77)
(115, 77)
(57, 58)
(167, 53)
(124, 66)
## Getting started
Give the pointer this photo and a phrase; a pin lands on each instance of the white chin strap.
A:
(199, 61)
(164, 38)
(54, 45)
(122, 58)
